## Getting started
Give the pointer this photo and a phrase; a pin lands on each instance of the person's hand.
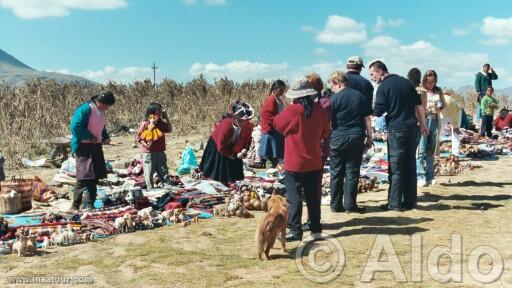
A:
(424, 130)
(368, 142)
(164, 115)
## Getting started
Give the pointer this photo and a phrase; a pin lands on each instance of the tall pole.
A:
(154, 67)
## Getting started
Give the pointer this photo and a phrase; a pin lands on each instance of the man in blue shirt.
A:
(398, 98)
(357, 82)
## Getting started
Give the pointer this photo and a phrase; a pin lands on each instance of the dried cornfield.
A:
(41, 110)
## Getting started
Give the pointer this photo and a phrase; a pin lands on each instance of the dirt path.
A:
(221, 252)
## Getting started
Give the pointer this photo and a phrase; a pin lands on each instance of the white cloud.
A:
(381, 23)
(342, 30)
(61, 71)
(324, 69)
(240, 70)
(215, 2)
(454, 68)
(498, 30)
(308, 29)
(127, 74)
(457, 31)
(320, 51)
(207, 2)
(32, 9)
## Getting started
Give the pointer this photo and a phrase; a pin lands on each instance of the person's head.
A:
(315, 81)
(503, 113)
(490, 91)
(429, 81)
(338, 80)
(303, 93)
(327, 93)
(277, 88)
(486, 67)
(414, 76)
(154, 109)
(378, 71)
(355, 63)
(242, 112)
(104, 100)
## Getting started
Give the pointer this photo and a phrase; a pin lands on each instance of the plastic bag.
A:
(188, 161)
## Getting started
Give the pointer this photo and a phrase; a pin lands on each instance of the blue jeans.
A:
(346, 157)
(478, 112)
(426, 150)
(402, 145)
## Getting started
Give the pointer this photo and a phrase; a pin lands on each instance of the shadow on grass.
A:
(473, 206)
(376, 221)
(471, 183)
(429, 197)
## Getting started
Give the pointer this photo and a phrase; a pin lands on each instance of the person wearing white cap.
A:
(357, 82)
(304, 124)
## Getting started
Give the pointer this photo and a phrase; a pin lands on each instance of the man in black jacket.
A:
(398, 98)
(357, 82)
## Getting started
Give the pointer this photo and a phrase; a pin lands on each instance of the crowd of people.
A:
(318, 124)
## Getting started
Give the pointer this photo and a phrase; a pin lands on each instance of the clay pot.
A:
(264, 206)
(257, 205)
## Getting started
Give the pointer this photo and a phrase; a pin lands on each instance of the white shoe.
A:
(433, 182)
(422, 183)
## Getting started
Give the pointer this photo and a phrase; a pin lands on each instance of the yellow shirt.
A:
(451, 110)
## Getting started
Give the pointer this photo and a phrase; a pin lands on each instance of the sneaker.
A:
(385, 207)
(317, 236)
(422, 183)
(355, 209)
(432, 182)
(305, 226)
(290, 237)
(334, 210)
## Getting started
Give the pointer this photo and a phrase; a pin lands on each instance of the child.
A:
(228, 144)
(272, 143)
(489, 104)
(151, 139)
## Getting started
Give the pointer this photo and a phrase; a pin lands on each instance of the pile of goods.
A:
(367, 184)
(451, 166)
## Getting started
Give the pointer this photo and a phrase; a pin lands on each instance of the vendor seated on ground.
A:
(503, 121)
(228, 144)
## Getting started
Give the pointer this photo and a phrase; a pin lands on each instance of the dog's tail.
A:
(259, 242)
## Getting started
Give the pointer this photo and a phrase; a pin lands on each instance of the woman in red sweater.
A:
(304, 124)
(228, 144)
(272, 142)
(503, 121)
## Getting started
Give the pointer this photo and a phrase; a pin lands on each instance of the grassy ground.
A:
(221, 252)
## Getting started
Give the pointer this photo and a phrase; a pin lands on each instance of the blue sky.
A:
(244, 39)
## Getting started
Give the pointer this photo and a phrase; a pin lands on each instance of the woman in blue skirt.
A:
(272, 142)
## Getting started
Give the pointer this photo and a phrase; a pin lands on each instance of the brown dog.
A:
(273, 223)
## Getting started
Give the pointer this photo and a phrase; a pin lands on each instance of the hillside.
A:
(14, 72)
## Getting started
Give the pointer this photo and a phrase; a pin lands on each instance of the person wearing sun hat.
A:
(304, 124)
(228, 144)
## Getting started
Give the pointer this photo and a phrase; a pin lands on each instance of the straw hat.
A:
(300, 88)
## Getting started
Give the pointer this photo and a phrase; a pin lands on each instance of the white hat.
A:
(300, 88)
(242, 110)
